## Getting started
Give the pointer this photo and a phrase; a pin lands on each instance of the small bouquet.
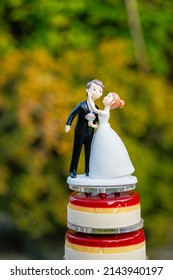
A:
(90, 118)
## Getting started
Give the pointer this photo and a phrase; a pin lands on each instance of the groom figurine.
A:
(83, 132)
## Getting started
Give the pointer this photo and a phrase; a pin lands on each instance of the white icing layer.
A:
(104, 220)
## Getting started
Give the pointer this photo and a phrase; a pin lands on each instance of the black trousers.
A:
(81, 139)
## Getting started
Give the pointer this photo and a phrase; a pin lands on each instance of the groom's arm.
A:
(71, 116)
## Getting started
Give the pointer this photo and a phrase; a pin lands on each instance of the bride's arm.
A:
(92, 125)
(91, 103)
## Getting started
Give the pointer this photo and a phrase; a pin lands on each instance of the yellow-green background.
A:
(49, 50)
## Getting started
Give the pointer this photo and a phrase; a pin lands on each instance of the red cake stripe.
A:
(106, 240)
(113, 200)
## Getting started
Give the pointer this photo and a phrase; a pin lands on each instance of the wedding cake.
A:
(104, 221)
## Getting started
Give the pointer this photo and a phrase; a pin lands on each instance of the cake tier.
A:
(101, 211)
(126, 246)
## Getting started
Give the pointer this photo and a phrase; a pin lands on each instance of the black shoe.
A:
(87, 174)
(73, 174)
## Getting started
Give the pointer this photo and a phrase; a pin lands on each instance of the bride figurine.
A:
(109, 158)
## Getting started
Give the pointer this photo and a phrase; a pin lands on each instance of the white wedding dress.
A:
(109, 157)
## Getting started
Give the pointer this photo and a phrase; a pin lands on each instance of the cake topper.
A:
(109, 157)
(84, 129)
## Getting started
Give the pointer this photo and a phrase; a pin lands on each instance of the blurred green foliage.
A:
(49, 50)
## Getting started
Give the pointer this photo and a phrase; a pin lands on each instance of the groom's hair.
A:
(95, 81)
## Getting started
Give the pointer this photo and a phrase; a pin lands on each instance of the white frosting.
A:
(103, 220)
(139, 254)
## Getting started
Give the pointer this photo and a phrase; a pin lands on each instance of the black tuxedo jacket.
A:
(81, 110)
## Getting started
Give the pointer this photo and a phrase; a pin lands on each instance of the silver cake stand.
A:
(131, 228)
